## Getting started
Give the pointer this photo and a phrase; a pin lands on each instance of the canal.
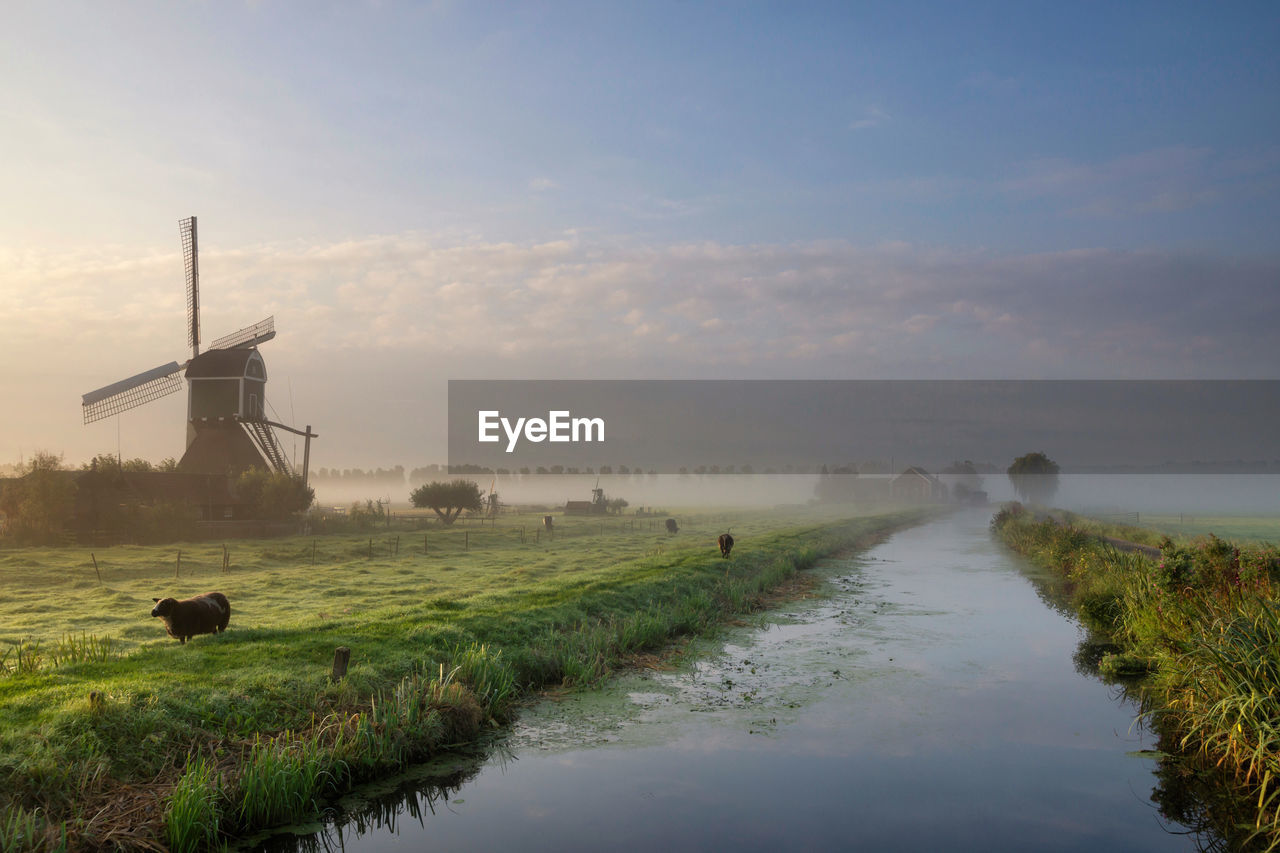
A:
(925, 699)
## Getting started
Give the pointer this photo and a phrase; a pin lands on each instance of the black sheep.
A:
(672, 527)
(726, 544)
(204, 614)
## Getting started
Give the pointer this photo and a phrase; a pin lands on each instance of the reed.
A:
(22, 830)
(194, 812)
(1203, 621)
(281, 780)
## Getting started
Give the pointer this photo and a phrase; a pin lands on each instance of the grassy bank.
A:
(113, 735)
(1201, 623)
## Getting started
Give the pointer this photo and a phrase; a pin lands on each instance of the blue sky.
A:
(460, 190)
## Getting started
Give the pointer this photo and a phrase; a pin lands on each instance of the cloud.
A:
(542, 184)
(368, 320)
(696, 308)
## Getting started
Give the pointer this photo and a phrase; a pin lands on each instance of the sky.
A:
(421, 192)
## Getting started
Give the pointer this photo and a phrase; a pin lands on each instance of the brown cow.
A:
(726, 544)
(204, 614)
(672, 527)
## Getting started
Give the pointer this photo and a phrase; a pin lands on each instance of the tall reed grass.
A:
(1203, 618)
(194, 813)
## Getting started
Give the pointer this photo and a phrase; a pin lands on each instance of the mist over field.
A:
(1204, 494)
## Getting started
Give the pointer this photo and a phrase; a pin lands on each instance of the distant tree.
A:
(617, 505)
(838, 485)
(448, 499)
(111, 465)
(41, 501)
(1034, 477)
(966, 478)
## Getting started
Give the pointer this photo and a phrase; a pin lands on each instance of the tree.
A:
(1034, 477)
(967, 481)
(41, 501)
(448, 499)
(273, 497)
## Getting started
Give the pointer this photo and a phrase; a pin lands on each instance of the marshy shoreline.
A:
(1192, 629)
(159, 746)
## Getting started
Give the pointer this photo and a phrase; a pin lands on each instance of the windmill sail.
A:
(263, 330)
(191, 261)
(132, 392)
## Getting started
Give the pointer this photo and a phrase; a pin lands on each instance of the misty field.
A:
(323, 582)
(112, 733)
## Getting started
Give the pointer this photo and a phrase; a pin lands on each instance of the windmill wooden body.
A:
(227, 427)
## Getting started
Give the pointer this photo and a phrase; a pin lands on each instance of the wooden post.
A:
(178, 569)
(371, 548)
(95, 567)
(341, 657)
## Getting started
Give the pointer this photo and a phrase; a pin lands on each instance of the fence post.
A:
(95, 567)
(341, 657)
(178, 569)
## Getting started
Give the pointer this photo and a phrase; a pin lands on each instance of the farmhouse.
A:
(916, 485)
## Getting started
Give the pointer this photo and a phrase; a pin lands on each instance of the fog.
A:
(1205, 494)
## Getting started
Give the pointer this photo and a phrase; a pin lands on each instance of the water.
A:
(930, 703)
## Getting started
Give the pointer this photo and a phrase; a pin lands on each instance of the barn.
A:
(916, 485)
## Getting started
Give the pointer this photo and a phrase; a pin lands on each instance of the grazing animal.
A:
(546, 521)
(726, 544)
(672, 527)
(204, 614)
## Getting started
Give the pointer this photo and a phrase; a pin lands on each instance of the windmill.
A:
(227, 427)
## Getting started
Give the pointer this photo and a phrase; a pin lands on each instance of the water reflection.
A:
(388, 808)
(931, 702)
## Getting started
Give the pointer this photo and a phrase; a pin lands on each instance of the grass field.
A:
(447, 629)
(1244, 528)
(1185, 529)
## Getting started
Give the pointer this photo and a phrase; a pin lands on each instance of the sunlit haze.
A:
(424, 192)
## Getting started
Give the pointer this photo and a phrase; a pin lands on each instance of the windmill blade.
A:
(132, 392)
(263, 330)
(191, 261)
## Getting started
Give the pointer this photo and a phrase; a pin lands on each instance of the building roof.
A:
(917, 471)
(227, 363)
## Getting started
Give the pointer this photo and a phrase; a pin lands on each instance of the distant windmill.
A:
(227, 428)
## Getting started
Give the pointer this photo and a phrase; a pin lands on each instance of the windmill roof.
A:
(222, 363)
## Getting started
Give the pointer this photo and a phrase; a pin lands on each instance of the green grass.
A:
(1202, 622)
(1236, 528)
(445, 641)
